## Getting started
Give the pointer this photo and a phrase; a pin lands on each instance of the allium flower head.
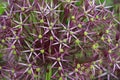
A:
(59, 40)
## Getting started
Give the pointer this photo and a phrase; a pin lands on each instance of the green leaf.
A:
(1, 55)
(79, 3)
(49, 73)
(31, 1)
(60, 78)
(102, 1)
(2, 7)
(108, 2)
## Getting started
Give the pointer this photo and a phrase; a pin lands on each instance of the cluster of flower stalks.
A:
(59, 40)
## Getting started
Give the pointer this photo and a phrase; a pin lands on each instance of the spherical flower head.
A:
(91, 66)
(71, 32)
(50, 27)
(102, 38)
(35, 76)
(29, 65)
(0, 67)
(61, 50)
(68, 1)
(117, 45)
(13, 71)
(92, 19)
(107, 31)
(51, 38)
(13, 47)
(95, 46)
(40, 36)
(58, 59)
(60, 68)
(38, 69)
(109, 40)
(14, 52)
(41, 21)
(42, 51)
(29, 72)
(22, 9)
(4, 27)
(32, 50)
(79, 26)
(65, 40)
(17, 37)
(78, 66)
(104, 18)
(3, 41)
(97, 17)
(77, 41)
(76, 70)
(85, 33)
(20, 23)
(73, 17)
(110, 51)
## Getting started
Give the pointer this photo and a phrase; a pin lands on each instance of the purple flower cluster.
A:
(59, 40)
